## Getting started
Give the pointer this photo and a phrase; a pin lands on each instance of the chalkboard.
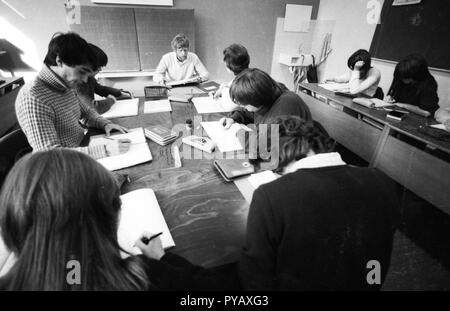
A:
(156, 29)
(114, 31)
(134, 38)
(422, 28)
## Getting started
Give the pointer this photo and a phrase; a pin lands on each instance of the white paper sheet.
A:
(439, 126)
(139, 151)
(154, 106)
(141, 213)
(123, 108)
(210, 105)
(225, 140)
(297, 17)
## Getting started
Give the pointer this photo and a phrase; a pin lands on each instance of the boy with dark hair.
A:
(48, 108)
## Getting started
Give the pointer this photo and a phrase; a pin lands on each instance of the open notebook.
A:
(139, 151)
(141, 213)
(123, 108)
(225, 140)
(210, 105)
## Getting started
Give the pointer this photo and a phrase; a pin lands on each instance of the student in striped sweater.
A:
(48, 108)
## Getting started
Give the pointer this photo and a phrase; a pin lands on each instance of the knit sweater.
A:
(49, 111)
(317, 229)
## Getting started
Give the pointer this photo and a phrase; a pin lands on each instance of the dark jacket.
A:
(91, 87)
(316, 229)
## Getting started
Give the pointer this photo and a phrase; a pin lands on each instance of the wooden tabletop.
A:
(206, 216)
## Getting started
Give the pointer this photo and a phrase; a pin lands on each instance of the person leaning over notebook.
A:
(236, 60)
(318, 226)
(87, 90)
(262, 99)
(59, 214)
(363, 78)
(49, 109)
(413, 87)
(180, 64)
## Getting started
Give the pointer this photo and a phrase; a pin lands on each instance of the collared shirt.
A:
(171, 69)
(315, 161)
(49, 111)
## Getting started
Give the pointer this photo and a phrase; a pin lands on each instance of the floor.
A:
(421, 253)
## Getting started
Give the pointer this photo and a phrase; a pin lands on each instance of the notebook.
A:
(225, 140)
(139, 151)
(154, 106)
(210, 105)
(123, 108)
(160, 134)
(141, 213)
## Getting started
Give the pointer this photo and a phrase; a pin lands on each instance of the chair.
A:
(12, 147)
(379, 93)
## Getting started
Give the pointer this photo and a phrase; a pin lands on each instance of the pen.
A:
(146, 240)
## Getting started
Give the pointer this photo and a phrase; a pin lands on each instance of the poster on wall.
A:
(137, 2)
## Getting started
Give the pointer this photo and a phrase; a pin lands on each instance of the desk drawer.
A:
(420, 172)
(357, 136)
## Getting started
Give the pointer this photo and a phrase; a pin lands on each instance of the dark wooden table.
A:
(206, 216)
(417, 161)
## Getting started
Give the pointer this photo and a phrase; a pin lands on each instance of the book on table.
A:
(138, 153)
(141, 213)
(160, 134)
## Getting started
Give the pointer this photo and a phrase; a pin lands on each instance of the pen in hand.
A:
(146, 240)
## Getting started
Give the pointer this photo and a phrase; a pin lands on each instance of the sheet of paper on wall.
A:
(138, 153)
(141, 213)
(225, 140)
(154, 106)
(297, 17)
(123, 108)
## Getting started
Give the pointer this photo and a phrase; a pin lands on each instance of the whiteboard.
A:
(140, 2)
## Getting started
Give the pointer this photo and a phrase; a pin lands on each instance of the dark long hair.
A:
(298, 137)
(413, 66)
(58, 206)
(236, 58)
(255, 87)
(360, 55)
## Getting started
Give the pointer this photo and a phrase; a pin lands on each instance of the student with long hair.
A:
(92, 87)
(363, 78)
(262, 98)
(319, 225)
(413, 87)
(60, 206)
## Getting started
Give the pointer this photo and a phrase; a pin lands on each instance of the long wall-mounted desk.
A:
(416, 161)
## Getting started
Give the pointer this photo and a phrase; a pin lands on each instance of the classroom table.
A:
(206, 215)
(418, 162)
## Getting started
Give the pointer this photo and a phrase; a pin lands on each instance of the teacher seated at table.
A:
(180, 64)
(322, 224)
(262, 98)
(49, 109)
(61, 207)
(413, 87)
(363, 78)
(92, 87)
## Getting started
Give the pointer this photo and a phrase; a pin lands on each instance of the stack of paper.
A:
(139, 151)
(141, 213)
(225, 139)
(154, 106)
(123, 108)
(160, 134)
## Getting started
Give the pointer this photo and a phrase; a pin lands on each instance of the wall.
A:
(352, 32)
(218, 24)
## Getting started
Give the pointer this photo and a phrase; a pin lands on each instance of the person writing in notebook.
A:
(87, 90)
(49, 109)
(261, 99)
(60, 211)
(363, 78)
(236, 60)
(319, 225)
(180, 65)
(413, 87)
